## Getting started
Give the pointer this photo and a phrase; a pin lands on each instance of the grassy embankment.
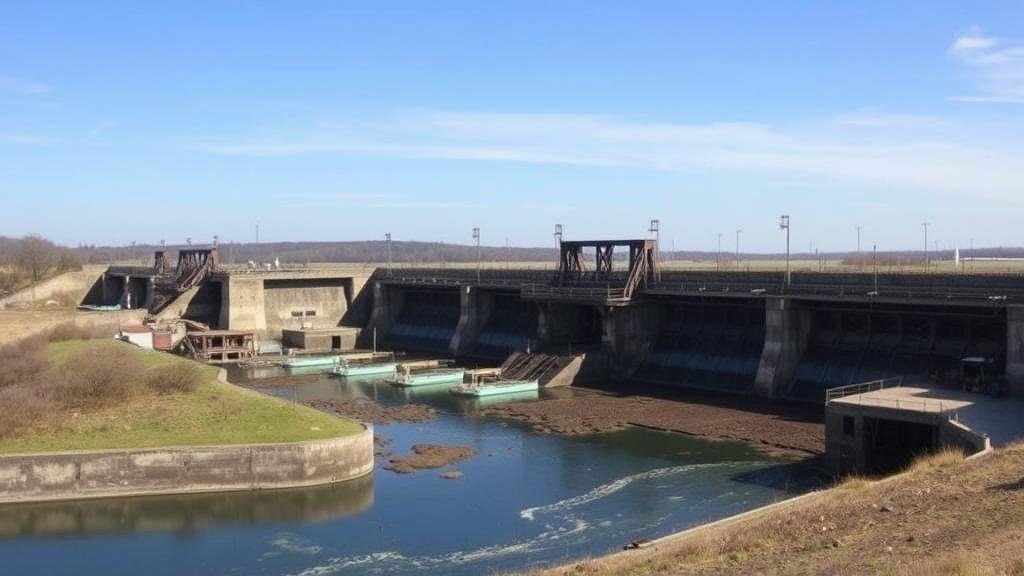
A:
(944, 516)
(104, 394)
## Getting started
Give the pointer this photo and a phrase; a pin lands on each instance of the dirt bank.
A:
(426, 456)
(365, 410)
(944, 517)
(772, 426)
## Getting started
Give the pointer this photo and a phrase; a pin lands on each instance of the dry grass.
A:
(944, 516)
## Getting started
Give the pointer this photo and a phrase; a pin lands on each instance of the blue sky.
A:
(126, 122)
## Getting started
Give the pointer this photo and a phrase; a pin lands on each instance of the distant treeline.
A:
(410, 253)
(415, 252)
(24, 261)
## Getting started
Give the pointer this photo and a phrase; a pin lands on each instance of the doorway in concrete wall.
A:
(336, 342)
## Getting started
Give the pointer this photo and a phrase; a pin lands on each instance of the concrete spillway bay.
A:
(524, 500)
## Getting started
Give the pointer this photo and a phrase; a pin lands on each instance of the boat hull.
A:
(314, 362)
(432, 378)
(495, 389)
(366, 370)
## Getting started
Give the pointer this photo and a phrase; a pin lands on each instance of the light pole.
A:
(718, 256)
(387, 238)
(859, 263)
(738, 231)
(655, 231)
(558, 245)
(476, 236)
(784, 225)
(927, 263)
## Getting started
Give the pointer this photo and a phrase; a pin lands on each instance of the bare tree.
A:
(37, 255)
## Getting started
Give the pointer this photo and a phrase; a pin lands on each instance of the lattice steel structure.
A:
(643, 264)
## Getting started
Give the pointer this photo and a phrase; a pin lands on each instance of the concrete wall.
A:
(327, 298)
(110, 473)
(242, 304)
(787, 328)
(1015, 349)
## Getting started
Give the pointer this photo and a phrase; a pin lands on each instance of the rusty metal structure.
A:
(642, 265)
(221, 346)
(161, 263)
(194, 265)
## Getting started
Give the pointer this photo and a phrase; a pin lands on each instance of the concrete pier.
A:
(787, 328)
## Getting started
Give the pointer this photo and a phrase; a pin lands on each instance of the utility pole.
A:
(257, 232)
(387, 238)
(718, 255)
(476, 236)
(874, 259)
(558, 245)
(738, 232)
(859, 263)
(927, 262)
(784, 225)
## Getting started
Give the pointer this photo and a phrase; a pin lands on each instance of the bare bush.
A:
(22, 361)
(71, 331)
(95, 378)
(21, 407)
(173, 378)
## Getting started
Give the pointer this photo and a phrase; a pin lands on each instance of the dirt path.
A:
(772, 426)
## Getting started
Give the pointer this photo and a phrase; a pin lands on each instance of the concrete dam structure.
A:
(733, 332)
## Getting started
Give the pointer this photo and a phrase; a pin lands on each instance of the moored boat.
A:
(495, 387)
(430, 377)
(350, 369)
(310, 361)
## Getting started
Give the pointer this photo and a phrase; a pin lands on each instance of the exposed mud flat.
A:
(427, 456)
(365, 410)
(772, 427)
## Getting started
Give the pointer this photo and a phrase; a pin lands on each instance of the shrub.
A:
(95, 378)
(71, 331)
(176, 377)
(22, 361)
(21, 407)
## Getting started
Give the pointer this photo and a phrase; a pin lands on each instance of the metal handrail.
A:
(862, 387)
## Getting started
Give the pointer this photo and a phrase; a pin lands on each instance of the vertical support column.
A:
(474, 309)
(387, 302)
(1015, 349)
(787, 328)
(126, 293)
(243, 305)
(150, 287)
(628, 332)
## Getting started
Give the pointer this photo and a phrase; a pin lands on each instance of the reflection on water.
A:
(525, 500)
(186, 514)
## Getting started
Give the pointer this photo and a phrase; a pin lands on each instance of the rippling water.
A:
(525, 500)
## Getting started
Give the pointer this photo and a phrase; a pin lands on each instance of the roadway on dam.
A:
(525, 499)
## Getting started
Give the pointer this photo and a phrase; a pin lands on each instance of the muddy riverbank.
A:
(366, 410)
(428, 456)
(772, 427)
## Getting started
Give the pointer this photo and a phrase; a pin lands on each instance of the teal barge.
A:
(431, 377)
(310, 361)
(350, 370)
(495, 387)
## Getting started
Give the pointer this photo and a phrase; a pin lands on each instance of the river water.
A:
(525, 500)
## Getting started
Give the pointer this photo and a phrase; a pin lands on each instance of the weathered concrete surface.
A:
(304, 303)
(475, 307)
(341, 338)
(180, 470)
(787, 328)
(1015, 349)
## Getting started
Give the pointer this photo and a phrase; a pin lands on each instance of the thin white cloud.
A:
(26, 139)
(948, 160)
(14, 85)
(996, 63)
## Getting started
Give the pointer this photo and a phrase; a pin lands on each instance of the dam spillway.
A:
(733, 332)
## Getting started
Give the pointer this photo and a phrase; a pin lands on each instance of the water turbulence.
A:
(525, 500)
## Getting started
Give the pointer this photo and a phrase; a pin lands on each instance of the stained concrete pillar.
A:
(475, 308)
(1015, 349)
(126, 293)
(242, 304)
(150, 289)
(787, 329)
(628, 331)
(387, 304)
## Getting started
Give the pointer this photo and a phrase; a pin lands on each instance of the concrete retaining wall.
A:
(180, 470)
(69, 287)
